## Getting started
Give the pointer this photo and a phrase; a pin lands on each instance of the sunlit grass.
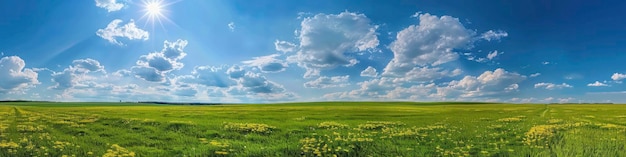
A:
(312, 129)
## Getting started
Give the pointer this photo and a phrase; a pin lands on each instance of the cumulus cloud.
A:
(415, 92)
(255, 87)
(618, 76)
(494, 35)
(268, 64)
(426, 74)
(76, 73)
(431, 42)
(284, 46)
(63, 80)
(370, 89)
(123, 73)
(14, 76)
(369, 72)
(185, 90)
(148, 73)
(325, 39)
(488, 83)
(256, 83)
(174, 50)
(235, 84)
(208, 76)
(552, 86)
(383, 89)
(109, 5)
(153, 66)
(328, 82)
(87, 65)
(236, 72)
(129, 31)
(597, 84)
(566, 100)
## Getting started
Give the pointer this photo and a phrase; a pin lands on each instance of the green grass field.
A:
(312, 129)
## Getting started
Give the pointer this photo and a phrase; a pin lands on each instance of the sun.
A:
(155, 11)
(154, 8)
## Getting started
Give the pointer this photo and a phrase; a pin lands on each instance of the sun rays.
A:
(154, 11)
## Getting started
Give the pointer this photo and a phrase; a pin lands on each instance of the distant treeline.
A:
(176, 103)
(586, 103)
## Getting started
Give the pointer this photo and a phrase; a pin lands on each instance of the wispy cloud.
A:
(552, 86)
(231, 26)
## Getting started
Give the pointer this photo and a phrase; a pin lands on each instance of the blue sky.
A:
(281, 51)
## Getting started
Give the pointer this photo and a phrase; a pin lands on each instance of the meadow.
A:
(312, 129)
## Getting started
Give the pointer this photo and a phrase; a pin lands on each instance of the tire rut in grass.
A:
(543, 114)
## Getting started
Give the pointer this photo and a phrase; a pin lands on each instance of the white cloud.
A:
(268, 64)
(490, 56)
(545, 63)
(255, 83)
(326, 38)
(122, 73)
(236, 72)
(87, 65)
(493, 54)
(370, 89)
(489, 83)
(426, 74)
(548, 99)
(148, 73)
(208, 76)
(494, 35)
(129, 31)
(185, 91)
(231, 26)
(174, 50)
(552, 86)
(63, 80)
(415, 92)
(284, 46)
(255, 87)
(566, 100)
(109, 5)
(431, 42)
(76, 74)
(618, 76)
(369, 72)
(14, 76)
(86, 80)
(328, 82)
(535, 75)
(153, 66)
(597, 84)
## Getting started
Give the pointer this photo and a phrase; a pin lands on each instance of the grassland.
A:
(312, 129)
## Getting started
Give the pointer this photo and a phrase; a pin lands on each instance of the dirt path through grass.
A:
(15, 117)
